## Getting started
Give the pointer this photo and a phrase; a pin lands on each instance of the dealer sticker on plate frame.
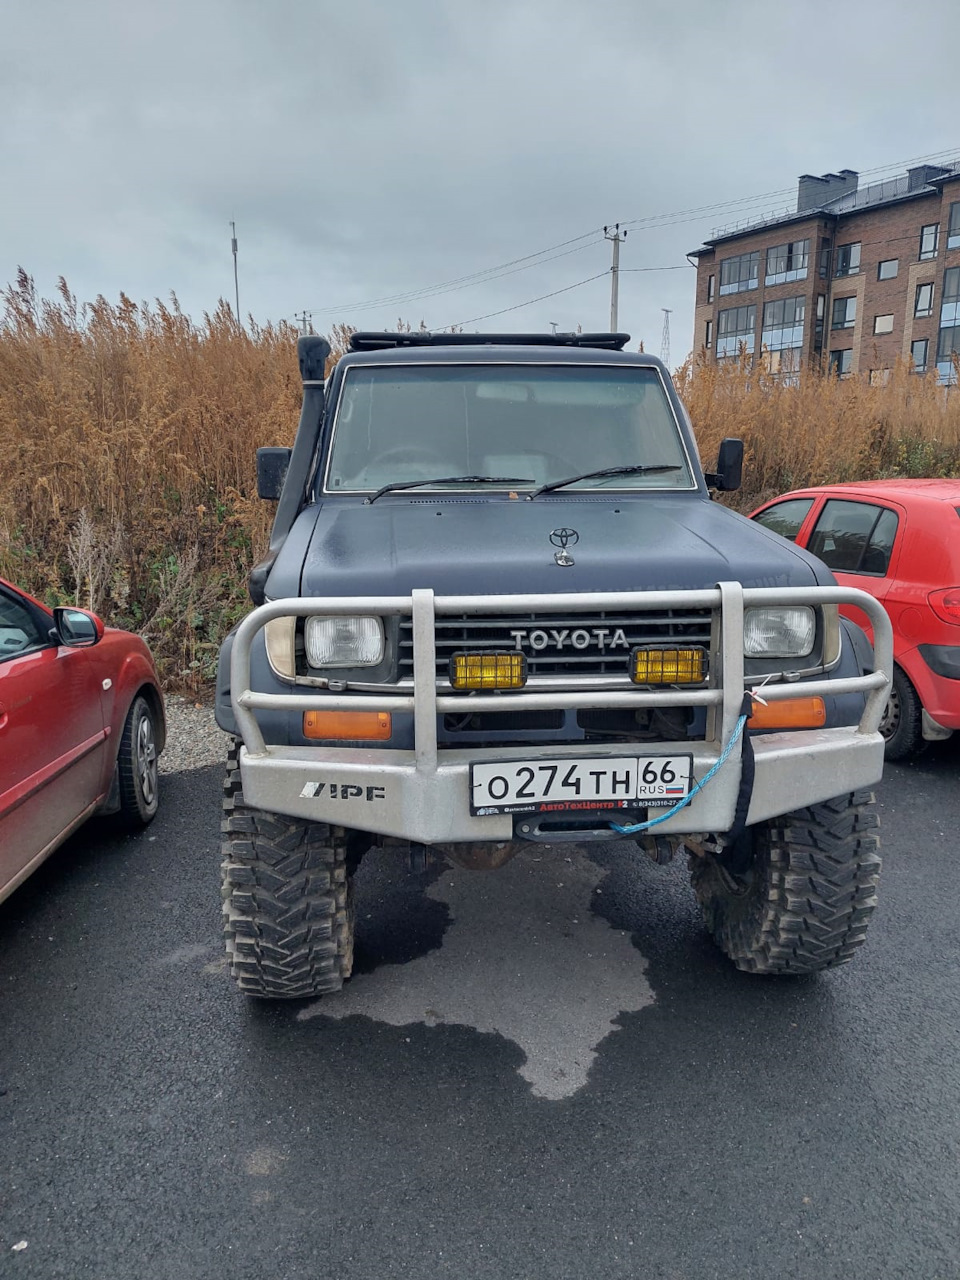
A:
(581, 783)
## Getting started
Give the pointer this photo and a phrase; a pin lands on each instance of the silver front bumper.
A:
(424, 795)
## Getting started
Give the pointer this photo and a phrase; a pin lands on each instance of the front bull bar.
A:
(841, 759)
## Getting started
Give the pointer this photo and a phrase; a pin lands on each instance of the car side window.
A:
(854, 537)
(19, 630)
(786, 517)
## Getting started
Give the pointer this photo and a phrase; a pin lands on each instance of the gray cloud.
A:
(374, 148)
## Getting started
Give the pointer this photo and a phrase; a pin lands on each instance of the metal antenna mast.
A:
(665, 337)
(236, 278)
(613, 233)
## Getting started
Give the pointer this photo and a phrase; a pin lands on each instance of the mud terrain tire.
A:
(806, 898)
(287, 899)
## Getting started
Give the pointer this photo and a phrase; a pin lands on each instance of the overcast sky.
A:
(375, 148)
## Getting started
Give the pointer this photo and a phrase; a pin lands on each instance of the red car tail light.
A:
(946, 604)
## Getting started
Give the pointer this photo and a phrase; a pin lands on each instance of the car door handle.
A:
(3, 716)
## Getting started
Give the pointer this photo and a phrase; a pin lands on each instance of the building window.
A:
(824, 259)
(948, 340)
(888, 268)
(841, 362)
(818, 326)
(953, 227)
(844, 313)
(738, 274)
(879, 377)
(711, 287)
(787, 262)
(923, 306)
(736, 328)
(918, 354)
(848, 259)
(708, 334)
(883, 324)
(782, 334)
(929, 240)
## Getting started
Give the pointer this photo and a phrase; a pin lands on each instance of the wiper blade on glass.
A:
(637, 468)
(395, 486)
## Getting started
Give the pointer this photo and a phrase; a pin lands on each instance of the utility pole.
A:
(236, 278)
(613, 233)
(665, 337)
(305, 321)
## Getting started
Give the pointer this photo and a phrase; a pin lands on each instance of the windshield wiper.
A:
(637, 469)
(394, 486)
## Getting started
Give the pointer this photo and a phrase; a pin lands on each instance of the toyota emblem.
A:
(564, 538)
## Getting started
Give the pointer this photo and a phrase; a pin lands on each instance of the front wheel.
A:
(803, 895)
(287, 899)
(138, 767)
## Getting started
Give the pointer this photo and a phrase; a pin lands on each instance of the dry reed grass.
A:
(128, 435)
(825, 430)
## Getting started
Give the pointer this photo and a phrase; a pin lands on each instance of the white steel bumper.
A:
(424, 795)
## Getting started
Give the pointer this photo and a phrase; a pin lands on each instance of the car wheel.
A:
(287, 898)
(901, 724)
(137, 764)
(801, 898)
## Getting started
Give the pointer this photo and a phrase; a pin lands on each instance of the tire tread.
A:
(816, 873)
(287, 899)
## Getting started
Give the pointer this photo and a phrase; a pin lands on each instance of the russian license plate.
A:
(564, 786)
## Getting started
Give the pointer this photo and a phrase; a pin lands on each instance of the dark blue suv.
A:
(500, 606)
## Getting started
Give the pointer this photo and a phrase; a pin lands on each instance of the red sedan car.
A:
(899, 540)
(81, 727)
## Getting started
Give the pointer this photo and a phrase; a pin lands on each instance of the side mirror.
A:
(77, 628)
(729, 472)
(271, 472)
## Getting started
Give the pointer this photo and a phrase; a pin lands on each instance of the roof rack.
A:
(383, 341)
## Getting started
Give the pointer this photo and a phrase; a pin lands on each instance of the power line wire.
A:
(458, 324)
(476, 277)
(649, 222)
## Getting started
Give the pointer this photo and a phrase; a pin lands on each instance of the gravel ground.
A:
(193, 738)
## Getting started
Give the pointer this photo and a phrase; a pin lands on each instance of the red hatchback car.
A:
(81, 727)
(899, 540)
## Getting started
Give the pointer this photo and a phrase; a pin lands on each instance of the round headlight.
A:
(779, 632)
(343, 641)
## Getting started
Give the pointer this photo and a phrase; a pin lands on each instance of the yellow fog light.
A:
(488, 670)
(668, 666)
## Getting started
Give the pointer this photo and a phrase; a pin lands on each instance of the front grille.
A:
(583, 651)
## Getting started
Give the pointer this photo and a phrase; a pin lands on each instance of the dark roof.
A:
(533, 350)
(387, 341)
(878, 194)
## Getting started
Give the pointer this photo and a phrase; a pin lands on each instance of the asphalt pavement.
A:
(547, 1071)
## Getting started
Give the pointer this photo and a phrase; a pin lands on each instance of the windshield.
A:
(399, 424)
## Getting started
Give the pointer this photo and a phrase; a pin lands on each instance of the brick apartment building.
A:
(856, 278)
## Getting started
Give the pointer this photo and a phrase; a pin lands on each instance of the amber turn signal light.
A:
(792, 713)
(350, 726)
(488, 670)
(668, 666)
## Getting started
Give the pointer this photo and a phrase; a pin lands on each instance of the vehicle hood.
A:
(478, 546)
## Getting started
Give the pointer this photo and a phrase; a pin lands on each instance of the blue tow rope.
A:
(682, 804)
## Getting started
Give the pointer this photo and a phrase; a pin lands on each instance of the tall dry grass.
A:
(127, 439)
(824, 430)
(128, 435)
